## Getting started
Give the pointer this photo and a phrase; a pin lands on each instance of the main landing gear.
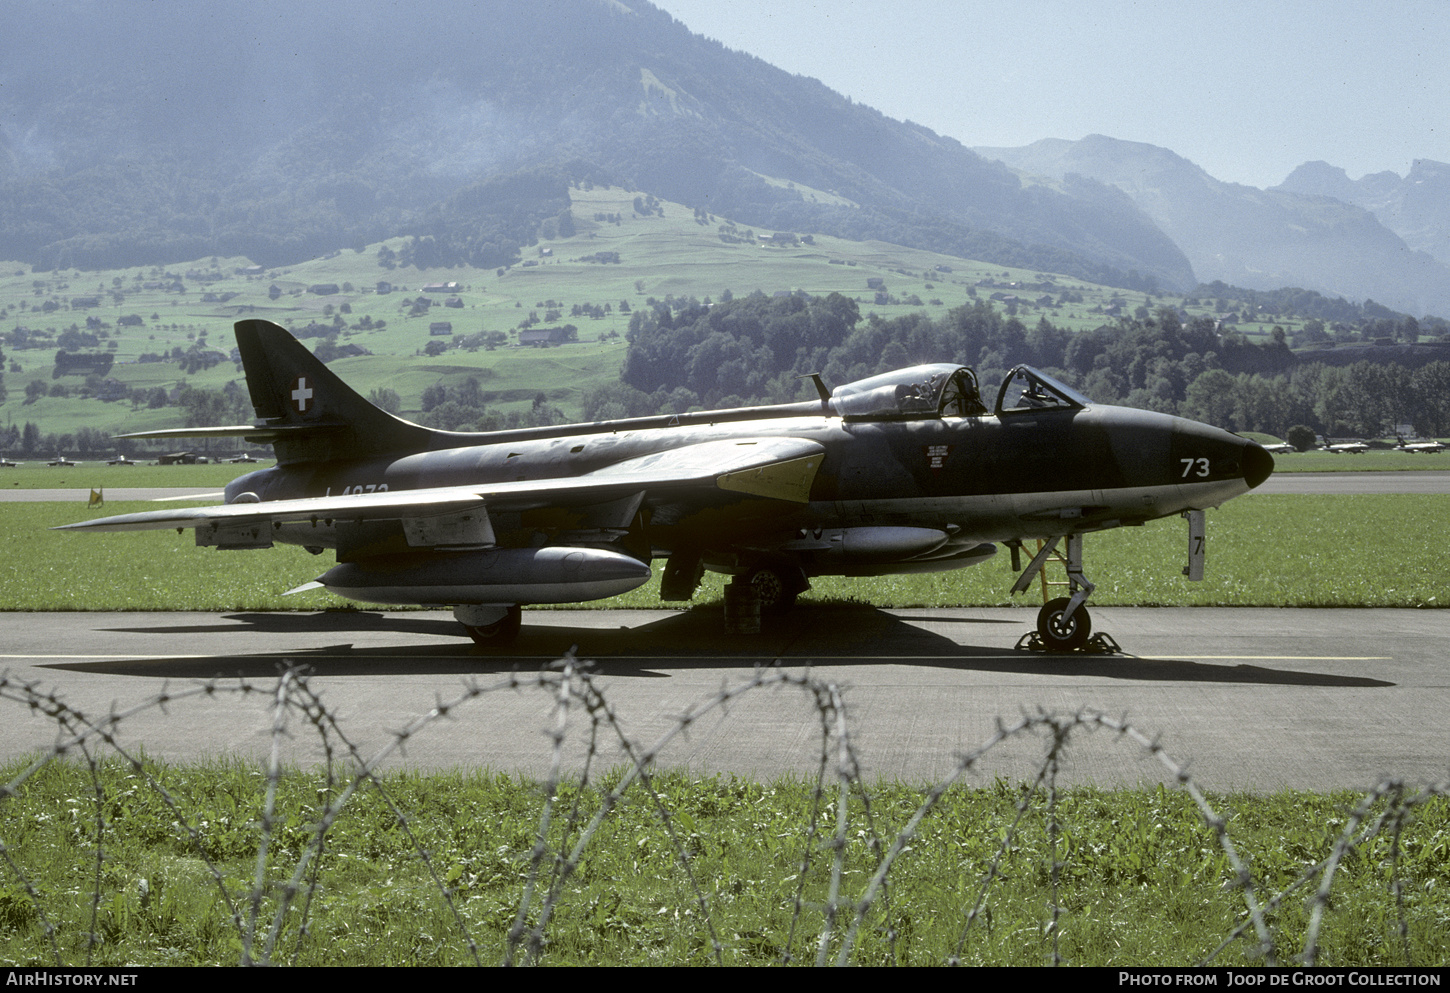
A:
(490, 625)
(765, 590)
(1063, 623)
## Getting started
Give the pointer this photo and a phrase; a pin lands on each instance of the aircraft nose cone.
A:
(1258, 465)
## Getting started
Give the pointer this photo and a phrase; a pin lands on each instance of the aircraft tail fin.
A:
(310, 414)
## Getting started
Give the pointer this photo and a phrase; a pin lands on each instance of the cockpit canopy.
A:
(936, 390)
(945, 390)
(1026, 388)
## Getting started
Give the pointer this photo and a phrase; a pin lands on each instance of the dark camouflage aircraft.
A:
(906, 472)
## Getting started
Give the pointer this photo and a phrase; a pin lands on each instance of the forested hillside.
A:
(756, 350)
(140, 134)
(309, 160)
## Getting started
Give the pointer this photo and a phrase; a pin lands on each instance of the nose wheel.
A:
(1059, 631)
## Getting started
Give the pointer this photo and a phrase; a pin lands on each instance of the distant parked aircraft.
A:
(6, 463)
(60, 460)
(244, 457)
(121, 460)
(1427, 447)
(1345, 447)
(182, 458)
(1282, 448)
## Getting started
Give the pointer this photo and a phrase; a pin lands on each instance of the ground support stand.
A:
(1099, 644)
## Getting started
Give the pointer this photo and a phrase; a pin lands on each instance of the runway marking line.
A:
(111, 656)
(1298, 658)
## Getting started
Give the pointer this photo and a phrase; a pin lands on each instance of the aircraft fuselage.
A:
(986, 478)
(905, 471)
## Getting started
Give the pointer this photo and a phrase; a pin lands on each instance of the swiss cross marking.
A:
(301, 393)
(936, 456)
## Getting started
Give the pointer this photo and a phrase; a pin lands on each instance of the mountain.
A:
(143, 133)
(1417, 207)
(1259, 239)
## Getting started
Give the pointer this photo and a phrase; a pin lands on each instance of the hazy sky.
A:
(1247, 89)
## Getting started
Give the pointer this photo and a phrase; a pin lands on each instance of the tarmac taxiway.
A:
(1248, 698)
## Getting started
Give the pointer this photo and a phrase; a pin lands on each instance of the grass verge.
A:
(1379, 550)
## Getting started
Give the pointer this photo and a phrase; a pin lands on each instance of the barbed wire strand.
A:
(562, 695)
(808, 844)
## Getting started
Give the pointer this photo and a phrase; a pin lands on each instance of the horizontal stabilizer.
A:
(261, 434)
(369, 506)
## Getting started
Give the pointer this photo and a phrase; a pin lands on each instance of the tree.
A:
(434, 396)
(1210, 398)
(386, 399)
(204, 408)
(1301, 436)
(1431, 383)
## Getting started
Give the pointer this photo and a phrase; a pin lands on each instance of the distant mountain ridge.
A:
(148, 132)
(136, 134)
(1416, 207)
(1298, 234)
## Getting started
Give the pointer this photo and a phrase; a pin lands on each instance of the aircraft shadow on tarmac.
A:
(834, 635)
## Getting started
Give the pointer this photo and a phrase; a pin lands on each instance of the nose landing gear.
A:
(1063, 623)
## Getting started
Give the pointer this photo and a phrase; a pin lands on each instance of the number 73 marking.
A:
(1188, 465)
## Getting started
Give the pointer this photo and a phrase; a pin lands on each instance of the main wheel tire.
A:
(1058, 636)
(772, 589)
(501, 632)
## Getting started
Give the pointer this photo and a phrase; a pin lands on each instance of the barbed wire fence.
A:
(1383, 812)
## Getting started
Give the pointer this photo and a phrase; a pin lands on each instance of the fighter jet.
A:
(6, 463)
(1345, 447)
(907, 472)
(1422, 447)
(1280, 448)
(60, 460)
(121, 459)
(237, 459)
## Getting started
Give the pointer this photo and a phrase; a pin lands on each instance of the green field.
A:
(98, 475)
(1262, 551)
(659, 257)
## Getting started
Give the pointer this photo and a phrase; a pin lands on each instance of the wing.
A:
(773, 468)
